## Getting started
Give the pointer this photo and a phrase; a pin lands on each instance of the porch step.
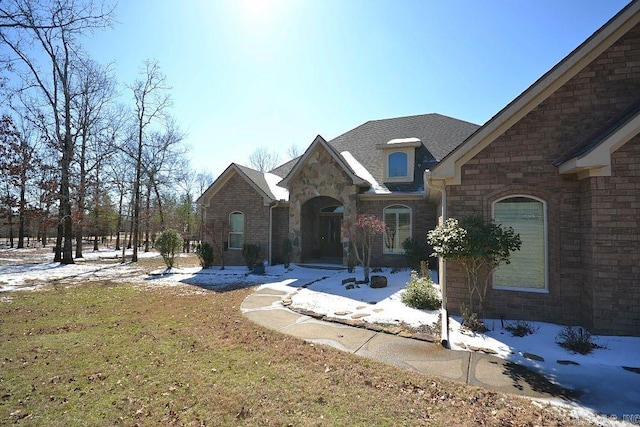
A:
(321, 266)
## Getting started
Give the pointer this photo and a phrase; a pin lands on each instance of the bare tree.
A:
(293, 151)
(151, 102)
(43, 39)
(264, 160)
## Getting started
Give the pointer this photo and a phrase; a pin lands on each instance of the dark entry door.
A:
(331, 244)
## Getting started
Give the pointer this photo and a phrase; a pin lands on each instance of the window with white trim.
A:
(236, 230)
(397, 219)
(527, 270)
(398, 164)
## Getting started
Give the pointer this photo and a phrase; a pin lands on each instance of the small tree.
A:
(479, 246)
(362, 234)
(169, 243)
(287, 249)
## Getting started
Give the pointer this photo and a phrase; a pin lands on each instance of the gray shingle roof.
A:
(258, 178)
(439, 135)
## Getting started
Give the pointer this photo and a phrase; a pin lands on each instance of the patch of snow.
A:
(403, 141)
(279, 192)
(363, 173)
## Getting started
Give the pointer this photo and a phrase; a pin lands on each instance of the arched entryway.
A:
(322, 230)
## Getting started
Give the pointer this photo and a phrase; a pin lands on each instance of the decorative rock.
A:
(424, 337)
(567, 362)
(460, 344)
(360, 307)
(393, 330)
(482, 349)
(378, 310)
(532, 356)
(342, 313)
(359, 315)
(348, 280)
(378, 282)
(286, 302)
(405, 334)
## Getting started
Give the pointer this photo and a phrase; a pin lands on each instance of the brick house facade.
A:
(561, 162)
(545, 146)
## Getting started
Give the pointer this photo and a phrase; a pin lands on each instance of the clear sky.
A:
(251, 73)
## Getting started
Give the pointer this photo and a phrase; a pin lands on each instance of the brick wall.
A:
(521, 162)
(238, 195)
(423, 219)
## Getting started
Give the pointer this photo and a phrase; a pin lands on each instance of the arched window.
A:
(527, 270)
(236, 230)
(398, 164)
(398, 228)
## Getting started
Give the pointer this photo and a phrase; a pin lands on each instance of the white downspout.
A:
(441, 187)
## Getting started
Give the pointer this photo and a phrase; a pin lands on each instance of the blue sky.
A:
(251, 73)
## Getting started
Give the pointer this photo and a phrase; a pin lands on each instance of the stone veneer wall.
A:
(521, 162)
(321, 175)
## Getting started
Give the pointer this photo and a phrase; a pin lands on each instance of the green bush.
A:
(287, 249)
(250, 253)
(169, 244)
(420, 293)
(205, 255)
(415, 251)
(576, 339)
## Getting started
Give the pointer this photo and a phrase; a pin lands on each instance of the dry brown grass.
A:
(117, 354)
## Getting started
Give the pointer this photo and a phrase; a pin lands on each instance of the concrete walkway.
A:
(265, 308)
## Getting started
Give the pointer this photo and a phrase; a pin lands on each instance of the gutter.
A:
(440, 186)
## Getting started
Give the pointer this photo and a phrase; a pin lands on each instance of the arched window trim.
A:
(546, 243)
(399, 251)
(235, 232)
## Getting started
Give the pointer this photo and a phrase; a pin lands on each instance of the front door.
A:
(330, 241)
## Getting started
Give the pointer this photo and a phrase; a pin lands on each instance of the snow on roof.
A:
(403, 140)
(363, 173)
(279, 192)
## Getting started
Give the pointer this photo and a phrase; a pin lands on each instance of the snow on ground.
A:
(605, 386)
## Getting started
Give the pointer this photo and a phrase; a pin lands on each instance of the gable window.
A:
(398, 164)
(236, 230)
(398, 228)
(527, 270)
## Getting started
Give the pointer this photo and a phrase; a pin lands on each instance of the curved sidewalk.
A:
(265, 308)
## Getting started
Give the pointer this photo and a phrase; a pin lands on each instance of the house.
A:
(560, 164)
(376, 168)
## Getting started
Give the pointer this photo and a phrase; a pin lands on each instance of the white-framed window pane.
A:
(398, 164)
(398, 228)
(236, 230)
(527, 269)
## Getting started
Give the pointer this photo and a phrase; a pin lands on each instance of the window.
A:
(398, 164)
(236, 230)
(398, 221)
(528, 268)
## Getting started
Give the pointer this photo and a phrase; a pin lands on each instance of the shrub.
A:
(415, 251)
(169, 243)
(420, 293)
(205, 255)
(471, 320)
(250, 253)
(287, 248)
(521, 328)
(576, 339)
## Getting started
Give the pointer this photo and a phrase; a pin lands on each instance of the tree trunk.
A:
(147, 219)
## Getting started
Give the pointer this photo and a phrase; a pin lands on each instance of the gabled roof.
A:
(263, 183)
(320, 141)
(449, 168)
(593, 156)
